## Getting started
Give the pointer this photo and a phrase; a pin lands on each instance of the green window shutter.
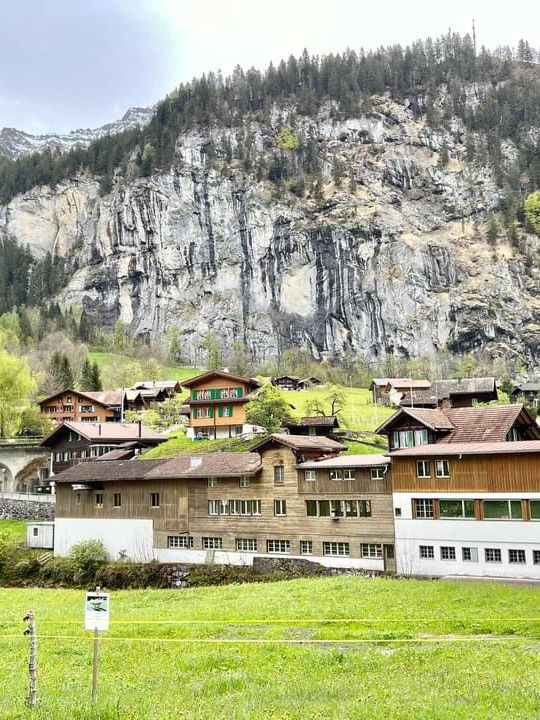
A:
(193, 394)
(229, 411)
(220, 411)
(211, 412)
(212, 394)
(239, 392)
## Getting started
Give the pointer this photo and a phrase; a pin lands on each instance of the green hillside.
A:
(341, 648)
(170, 372)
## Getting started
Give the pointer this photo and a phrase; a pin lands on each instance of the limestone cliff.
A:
(393, 260)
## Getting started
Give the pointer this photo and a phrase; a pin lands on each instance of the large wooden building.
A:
(217, 404)
(292, 496)
(77, 406)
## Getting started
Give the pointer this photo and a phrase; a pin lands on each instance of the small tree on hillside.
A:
(268, 409)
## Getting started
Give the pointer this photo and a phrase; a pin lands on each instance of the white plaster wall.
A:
(502, 534)
(133, 536)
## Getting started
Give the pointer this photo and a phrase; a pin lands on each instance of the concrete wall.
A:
(135, 537)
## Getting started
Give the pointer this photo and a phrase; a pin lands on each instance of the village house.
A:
(291, 496)
(217, 404)
(139, 399)
(77, 406)
(293, 382)
(530, 392)
(389, 391)
(72, 442)
(313, 425)
(468, 508)
(169, 387)
(466, 392)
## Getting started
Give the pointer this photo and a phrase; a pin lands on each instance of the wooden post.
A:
(95, 661)
(30, 618)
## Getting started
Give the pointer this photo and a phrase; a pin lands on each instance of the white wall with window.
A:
(502, 544)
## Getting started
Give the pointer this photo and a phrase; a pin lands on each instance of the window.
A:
(213, 482)
(338, 508)
(279, 475)
(469, 554)
(234, 507)
(536, 557)
(280, 508)
(397, 512)
(514, 434)
(427, 552)
(35, 531)
(336, 548)
(442, 468)
(493, 555)
(456, 508)
(154, 500)
(448, 552)
(516, 557)
(535, 509)
(213, 507)
(179, 541)
(117, 500)
(278, 546)
(423, 469)
(377, 473)
(349, 474)
(336, 474)
(409, 438)
(310, 475)
(371, 550)
(245, 481)
(306, 547)
(424, 508)
(246, 544)
(99, 500)
(502, 509)
(212, 543)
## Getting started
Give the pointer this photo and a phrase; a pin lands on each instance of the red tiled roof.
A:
(106, 471)
(468, 448)
(433, 418)
(108, 431)
(316, 421)
(302, 442)
(481, 424)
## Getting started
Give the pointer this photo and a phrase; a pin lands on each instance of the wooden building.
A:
(313, 425)
(292, 496)
(465, 392)
(217, 404)
(72, 442)
(389, 391)
(468, 508)
(293, 382)
(77, 406)
(528, 392)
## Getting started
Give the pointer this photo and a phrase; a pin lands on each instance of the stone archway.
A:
(6, 479)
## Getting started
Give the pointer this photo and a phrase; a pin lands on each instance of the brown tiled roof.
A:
(218, 464)
(420, 398)
(107, 471)
(316, 421)
(432, 418)
(302, 442)
(108, 431)
(106, 397)
(405, 383)
(464, 386)
(221, 373)
(482, 424)
(125, 451)
(468, 448)
(346, 461)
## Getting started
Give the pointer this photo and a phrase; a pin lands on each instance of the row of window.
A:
(208, 412)
(243, 482)
(465, 509)
(409, 438)
(516, 556)
(377, 473)
(277, 545)
(314, 508)
(235, 507)
(216, 393)
(92, 452)
(442, 468)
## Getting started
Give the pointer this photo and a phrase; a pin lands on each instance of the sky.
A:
(68, 64)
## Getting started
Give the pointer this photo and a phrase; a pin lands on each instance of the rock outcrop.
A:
(395, 260)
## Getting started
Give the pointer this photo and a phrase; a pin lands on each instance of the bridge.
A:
(23, 463)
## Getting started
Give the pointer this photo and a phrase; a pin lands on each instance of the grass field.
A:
(171, 372)
(14, 528)
(475, 655)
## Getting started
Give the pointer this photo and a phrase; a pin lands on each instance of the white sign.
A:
(96, 613)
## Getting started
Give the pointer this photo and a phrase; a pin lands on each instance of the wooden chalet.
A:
(77, 406)
(313, 425)
(529, 392)
(72, 442)
(217, 404)
(388, 391)
(293, 382)
(291, 496)
(466, 392)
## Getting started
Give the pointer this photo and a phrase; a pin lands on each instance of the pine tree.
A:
(87, 377)
(97, 384)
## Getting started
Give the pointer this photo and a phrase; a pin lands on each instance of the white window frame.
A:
(472, 552)
(279, 475)
(516, 553)
(536, 557)
(278, 547)
(447, 552)
(442, 468)
(509, 506)
(426, 552)
(423, 463)
(377, 473)
(245, 544)
(496, 557)
(335, 548)
(457, 517)
(212, 543)
(184, 542)
(153, 497)
(306, 547)
(425, 504)
(213, 507)
(371, 550)
(244, 481)
(280, 508)
(349, 474)
(98, 500)
(213, 482)
(310, 475)
(117, 497)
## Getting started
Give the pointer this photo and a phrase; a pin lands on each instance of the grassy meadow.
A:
(15, 529)
(329, 648)
(170, 372)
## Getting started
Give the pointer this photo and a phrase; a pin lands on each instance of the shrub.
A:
(85, 559)
(57, 571)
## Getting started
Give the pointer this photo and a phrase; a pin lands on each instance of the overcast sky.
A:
(66, 64)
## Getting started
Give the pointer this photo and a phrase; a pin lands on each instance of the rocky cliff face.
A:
(397, 264)
(14, 143)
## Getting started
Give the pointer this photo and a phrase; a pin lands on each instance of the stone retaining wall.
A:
(25, 510)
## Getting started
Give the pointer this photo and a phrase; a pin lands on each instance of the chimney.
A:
(195, 462)
(139, 423)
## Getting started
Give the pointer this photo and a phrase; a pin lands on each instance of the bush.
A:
(57, 571)
(85, 559)
(8, 552)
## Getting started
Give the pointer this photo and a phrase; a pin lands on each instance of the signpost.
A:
(96, 618)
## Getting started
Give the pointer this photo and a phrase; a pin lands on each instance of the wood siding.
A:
(54, 409)
(482, 473)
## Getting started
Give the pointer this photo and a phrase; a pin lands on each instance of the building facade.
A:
(293, 497)
(217, 404)
(76, 406)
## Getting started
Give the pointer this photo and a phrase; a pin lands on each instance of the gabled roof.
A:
(106, 432)
(419, 398)
(148, 384)
(526, 387)
(315, 421)
(433, 419)
(398, 383)
(106, 471)
(217, 464)
(104, 397)
(302, 442)
(465, 386)
(442, 450)
(487, 423)
(220, 373)
(345, 461)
